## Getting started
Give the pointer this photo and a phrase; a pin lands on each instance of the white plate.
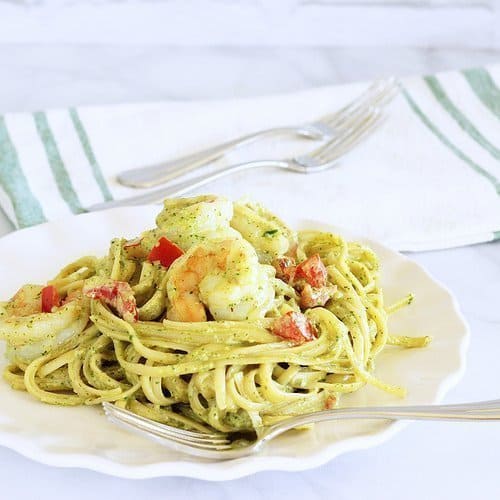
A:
(81, 436)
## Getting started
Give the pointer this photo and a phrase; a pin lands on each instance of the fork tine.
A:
(354, 124)
(333, 152)
(208, 446)
(347, 109)
(158, 431)
(111, 408)
(379, 93)
(323, 157)
(378, 102)
(164, 430)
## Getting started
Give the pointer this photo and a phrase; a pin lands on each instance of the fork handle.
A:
(160, 173)
(481, 411)
(181, 188)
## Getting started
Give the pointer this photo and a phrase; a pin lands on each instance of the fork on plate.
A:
(356, 126)
(217, 445)
(378, 95)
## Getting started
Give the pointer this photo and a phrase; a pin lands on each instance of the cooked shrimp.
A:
(267, 233)
(189, 221)
(223, 275)
(30, 332)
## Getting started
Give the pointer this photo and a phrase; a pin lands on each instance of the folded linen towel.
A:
(429, 178)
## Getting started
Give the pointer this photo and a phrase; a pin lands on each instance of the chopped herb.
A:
(270, 232)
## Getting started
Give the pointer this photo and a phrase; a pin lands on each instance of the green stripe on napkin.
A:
(459, 117)
(56, 163)
(26, 207)
(484, 87)
(432, 127)
(89, 153)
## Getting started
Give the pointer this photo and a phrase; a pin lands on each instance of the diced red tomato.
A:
(294, 326)
(313, 271)
(50, 298)
(117, 294)
(165, 252)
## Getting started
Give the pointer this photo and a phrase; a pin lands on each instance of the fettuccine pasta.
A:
(220, 317)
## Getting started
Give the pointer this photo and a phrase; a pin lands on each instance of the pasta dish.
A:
(219, 317)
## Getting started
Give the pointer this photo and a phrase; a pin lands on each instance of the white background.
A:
(64, 52)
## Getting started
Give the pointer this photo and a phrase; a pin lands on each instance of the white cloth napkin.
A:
(429, 178)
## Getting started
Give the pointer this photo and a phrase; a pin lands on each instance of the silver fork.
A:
(377, 95)
(322, 158)
(219, 446)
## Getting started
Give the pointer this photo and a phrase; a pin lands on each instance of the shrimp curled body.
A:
(29, 332)
(224, 276)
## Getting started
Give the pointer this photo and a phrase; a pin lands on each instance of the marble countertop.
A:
(426, 460)
(256, 23)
